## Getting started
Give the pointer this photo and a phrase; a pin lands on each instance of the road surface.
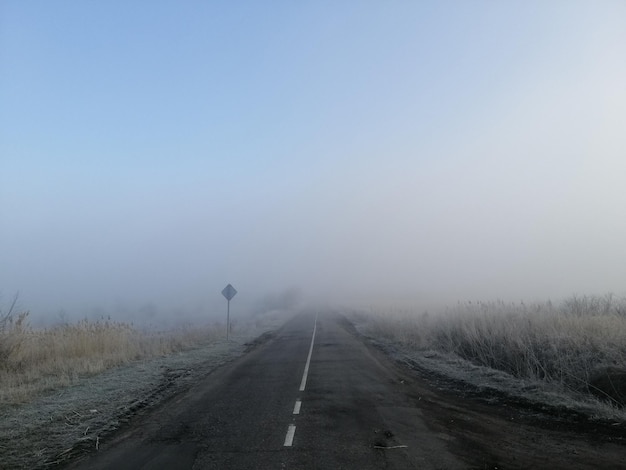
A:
(316, 397)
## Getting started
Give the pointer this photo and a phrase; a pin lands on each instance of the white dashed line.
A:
(308, 360)
(289, 437)
(291, 430)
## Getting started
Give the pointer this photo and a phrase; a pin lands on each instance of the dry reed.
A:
(35, 360)
(566, 345)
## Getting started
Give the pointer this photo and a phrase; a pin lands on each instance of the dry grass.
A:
(35, 360)
(566, 345)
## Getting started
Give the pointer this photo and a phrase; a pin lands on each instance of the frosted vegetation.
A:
(33, 360)
(578, 346)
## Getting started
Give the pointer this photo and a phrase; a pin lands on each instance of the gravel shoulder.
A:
(58, 425)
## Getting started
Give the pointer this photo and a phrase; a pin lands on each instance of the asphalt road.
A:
(351, 414)
(315, 396)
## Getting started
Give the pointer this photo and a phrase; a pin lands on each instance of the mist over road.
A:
(316, 396)
(242, 416)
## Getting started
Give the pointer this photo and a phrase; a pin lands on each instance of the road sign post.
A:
(229, 292)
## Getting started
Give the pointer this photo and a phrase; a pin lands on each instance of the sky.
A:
(362, 153)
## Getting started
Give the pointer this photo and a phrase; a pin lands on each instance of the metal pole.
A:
(227, 320)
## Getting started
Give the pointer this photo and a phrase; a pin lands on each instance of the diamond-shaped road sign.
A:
(229, 292)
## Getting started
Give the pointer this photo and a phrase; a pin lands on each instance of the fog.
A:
(393, 154)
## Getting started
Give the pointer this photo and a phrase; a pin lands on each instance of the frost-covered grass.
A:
(34, 360)
(54, 425)
(569, 345)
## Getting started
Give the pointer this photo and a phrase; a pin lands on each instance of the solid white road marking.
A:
(308, 359)
(296, 408)
(289, 437)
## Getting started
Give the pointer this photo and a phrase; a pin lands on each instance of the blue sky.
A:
(365, 152)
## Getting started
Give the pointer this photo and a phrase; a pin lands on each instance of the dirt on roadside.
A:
(499, 430)
(506, 433)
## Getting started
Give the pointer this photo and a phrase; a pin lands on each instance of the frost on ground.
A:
(450, 372)
(56, 425)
